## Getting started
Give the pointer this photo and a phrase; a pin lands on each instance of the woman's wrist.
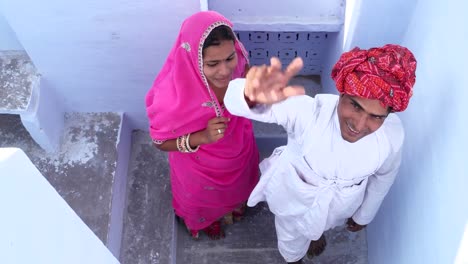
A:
(196, 139)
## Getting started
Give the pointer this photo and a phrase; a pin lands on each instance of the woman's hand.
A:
(214, 130)
(269, 84)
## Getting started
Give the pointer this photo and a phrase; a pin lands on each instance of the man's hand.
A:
(353, 226)
(269, 84)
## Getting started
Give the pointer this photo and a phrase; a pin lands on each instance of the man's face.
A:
(359, 117)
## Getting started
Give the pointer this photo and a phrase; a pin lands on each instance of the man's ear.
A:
(390, 110)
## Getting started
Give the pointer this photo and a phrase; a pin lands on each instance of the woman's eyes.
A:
(216, 63)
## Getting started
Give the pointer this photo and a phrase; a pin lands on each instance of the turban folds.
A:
(386, 74)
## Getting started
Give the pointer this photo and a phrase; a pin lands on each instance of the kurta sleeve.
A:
(377, 188)
(294, 113)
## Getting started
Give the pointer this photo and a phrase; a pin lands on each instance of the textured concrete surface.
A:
(149, 237)
(253, 241)
(82, 170)
(149, 220)
(17, 77)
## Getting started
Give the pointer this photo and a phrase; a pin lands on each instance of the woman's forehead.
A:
(222, 51)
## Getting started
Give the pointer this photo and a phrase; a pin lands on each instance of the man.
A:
(343, 151)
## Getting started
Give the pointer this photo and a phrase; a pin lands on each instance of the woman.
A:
(212, 154)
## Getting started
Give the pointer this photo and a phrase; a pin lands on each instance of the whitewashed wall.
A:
(37, 225)
(378, 22)
(98, 55)
(368, 23)
(8, 40)
(279, 15)
(103, 55)
(425, 216)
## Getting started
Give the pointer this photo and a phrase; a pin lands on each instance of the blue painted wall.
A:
(98, 56)
(8, 40)
(424, 217)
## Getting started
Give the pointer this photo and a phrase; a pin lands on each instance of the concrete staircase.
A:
(114, 179)
(152, 235)
(21, 93)
(133, 216)
(83, 170)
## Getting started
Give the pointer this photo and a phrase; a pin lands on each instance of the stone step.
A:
(84, 170)
(148, 235)
(18, 77)
(21, 93)
(151, 235)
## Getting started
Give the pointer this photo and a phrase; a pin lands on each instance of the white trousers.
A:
(292, 245)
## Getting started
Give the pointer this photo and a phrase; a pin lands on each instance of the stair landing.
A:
(152, 236)
(83, 169)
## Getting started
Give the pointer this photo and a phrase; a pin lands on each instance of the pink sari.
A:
(220, 176)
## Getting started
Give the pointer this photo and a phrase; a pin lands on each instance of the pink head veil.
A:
(180, 95)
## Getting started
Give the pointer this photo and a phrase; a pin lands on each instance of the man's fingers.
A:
(251, 72)
(294, 68)
(259, 76)
(293, 90)
(261, 71)
(275, 63)
(250, 81)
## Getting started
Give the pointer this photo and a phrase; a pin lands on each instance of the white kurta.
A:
(318, 179)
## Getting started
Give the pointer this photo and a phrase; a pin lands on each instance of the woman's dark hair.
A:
(217, 35)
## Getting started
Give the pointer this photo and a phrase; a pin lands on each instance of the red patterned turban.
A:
(386, 74)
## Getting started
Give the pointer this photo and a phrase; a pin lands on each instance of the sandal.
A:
(214, 231)
(228, 219)
(317, 247)
(193, 233)
(239, 212)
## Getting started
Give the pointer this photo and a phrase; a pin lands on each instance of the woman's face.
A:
(219, 62)
(359, 117)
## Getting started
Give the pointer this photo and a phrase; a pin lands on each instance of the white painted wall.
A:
(279, 15)
(378, 22)
(314, 9)
(425, 216)
(334, 52)
(98, 55)
(103, 55)
(8, 40)
(368, 23)
(37, 225)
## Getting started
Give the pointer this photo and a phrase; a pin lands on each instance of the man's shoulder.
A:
(327, 98)
(393, 129)
(321, 99)
(325, 102)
